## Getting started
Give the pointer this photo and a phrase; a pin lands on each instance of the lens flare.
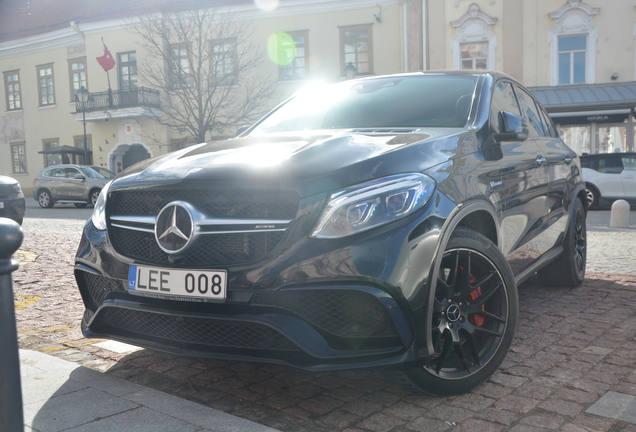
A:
(281, 48)
(266, 5)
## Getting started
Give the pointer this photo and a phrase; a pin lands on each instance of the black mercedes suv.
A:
(383, 222)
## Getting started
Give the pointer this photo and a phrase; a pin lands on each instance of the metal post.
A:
(11, 415)
(85, 143)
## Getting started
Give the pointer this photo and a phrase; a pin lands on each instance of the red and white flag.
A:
(106, 61)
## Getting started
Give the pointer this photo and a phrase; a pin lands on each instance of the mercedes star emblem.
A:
(174, 229)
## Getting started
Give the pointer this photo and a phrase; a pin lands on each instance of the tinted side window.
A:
(549, 126)
(503, 99)
(629, 163)
(72, 172)
(610, 165)
(589, 163)
(529, 109)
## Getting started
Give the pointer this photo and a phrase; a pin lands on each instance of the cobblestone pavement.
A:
(572, 346)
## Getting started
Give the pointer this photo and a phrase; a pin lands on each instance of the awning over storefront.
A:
(588, 103)
(587, 97)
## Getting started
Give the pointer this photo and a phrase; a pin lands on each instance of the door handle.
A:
(540, 161)
(568, 160)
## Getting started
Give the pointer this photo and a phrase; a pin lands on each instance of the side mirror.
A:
(512, 127)
(79, 177)
(242, 129)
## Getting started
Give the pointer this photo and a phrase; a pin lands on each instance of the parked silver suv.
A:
(70, 184)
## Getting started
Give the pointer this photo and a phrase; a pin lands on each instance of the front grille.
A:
(7, 190)
(223, 204)
(210, 250)
(201, 331)
(344, 313)
(99, 287)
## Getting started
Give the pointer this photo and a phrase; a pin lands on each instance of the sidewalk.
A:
(59, 395)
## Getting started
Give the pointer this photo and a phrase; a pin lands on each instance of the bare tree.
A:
(204, 64)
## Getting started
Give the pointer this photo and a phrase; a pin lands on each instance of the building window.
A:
(179, 66)
(474, 44)
(474, 55)
(573, 44)
(45, 85)
(572, 55)
(77, 72)
(79, 143)
(127, 70)
(18, 158)
(356, 47)
(224, 62)
(12, 85)
(51, 159)
(293, 52)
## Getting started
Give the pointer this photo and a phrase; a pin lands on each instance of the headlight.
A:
(99, 212)
(16, 188)
(372, 204)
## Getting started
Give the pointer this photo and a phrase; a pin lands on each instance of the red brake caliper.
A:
(476, 320)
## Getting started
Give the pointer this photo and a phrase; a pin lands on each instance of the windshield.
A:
(97, 173)
(390, 102)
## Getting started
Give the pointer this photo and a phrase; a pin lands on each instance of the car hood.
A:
(312, 163)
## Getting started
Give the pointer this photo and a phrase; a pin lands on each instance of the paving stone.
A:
(380, 423)
(476, 425)
(507, 380)
(617, 406)
(517, 404)
(561, 407)
(423, 424)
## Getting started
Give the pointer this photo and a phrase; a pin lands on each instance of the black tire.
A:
(568, 270)
(44, 199)
(80, 205)
(593, 196)
(93, 196)
(475, 314)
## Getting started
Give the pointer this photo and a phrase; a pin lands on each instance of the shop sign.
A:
(587, 119)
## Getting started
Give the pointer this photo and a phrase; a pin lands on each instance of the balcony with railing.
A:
(119, 103)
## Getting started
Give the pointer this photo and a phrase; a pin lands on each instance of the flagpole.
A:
(110, 91)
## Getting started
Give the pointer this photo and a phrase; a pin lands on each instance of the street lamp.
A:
(82, 96)
(350, 71)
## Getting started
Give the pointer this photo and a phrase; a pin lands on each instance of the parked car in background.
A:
(12, 204)
(608, 177)
(76, 184)
(379, 222)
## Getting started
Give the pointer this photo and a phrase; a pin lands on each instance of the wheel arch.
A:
(478, 215)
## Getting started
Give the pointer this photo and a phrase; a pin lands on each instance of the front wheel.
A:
(474, 316)
(94, 196)
(44, 199)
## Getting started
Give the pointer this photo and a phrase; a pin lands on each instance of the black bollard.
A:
(11, 415)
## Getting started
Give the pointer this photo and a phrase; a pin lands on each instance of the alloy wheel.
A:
(470, 314)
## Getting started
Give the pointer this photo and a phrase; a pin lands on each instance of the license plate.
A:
(188, 285)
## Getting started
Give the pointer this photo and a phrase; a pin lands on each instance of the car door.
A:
(628, 175)
(523, 189)
(74, 188)
(53, 180)
(610, 178)
(559, 164)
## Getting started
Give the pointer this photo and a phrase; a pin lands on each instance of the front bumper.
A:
(13, 208)
(319, 305)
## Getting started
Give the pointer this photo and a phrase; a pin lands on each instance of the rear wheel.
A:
(568, 270)
(593, 196)
(44, 199)
(474, 317)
